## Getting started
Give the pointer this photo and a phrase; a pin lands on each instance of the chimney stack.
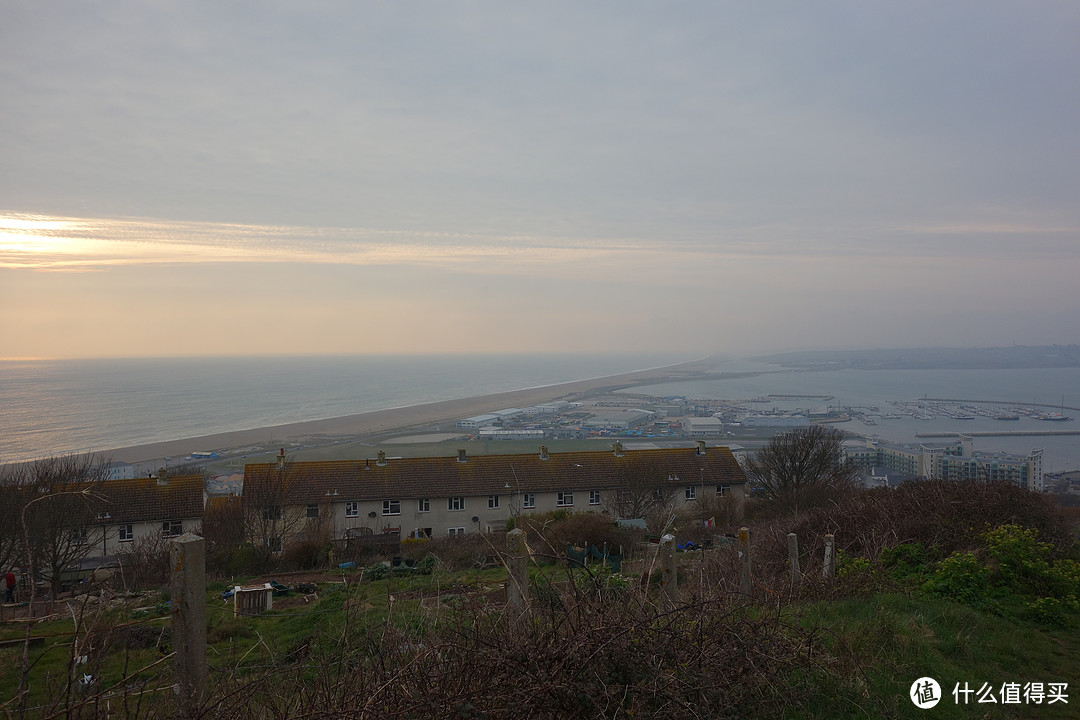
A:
(544, 452)
(382, 458)
(461, 455)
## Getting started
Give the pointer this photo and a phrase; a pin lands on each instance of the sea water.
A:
(57, 406)
(50, 407)
(1052, 387)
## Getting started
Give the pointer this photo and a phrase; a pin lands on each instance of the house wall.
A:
(440, 518)
(105, 539)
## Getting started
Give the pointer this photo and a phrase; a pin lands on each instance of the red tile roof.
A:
(313, 482)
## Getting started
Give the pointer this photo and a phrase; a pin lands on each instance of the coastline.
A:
(400, 419)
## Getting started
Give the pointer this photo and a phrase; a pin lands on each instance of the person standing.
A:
(9, 591)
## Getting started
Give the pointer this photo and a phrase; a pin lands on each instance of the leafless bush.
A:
(311, 546)
(457, 552)
(146, 562)
(548, 534)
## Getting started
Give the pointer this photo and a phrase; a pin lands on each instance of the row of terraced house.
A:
(417, 497)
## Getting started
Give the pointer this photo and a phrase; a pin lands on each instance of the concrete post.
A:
(746, 583)
(793, 559)
(669, 574)
(517, 570)
(827, 568)
(187, 585)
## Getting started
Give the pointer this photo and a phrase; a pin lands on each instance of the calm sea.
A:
(53, 407)
(59, 406)
(864, 388)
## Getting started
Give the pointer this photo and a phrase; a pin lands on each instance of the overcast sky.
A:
(267, 177)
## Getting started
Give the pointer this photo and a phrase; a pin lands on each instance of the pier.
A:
(1001, 402)
(995, 433)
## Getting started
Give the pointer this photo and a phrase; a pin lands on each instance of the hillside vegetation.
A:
(962, 582)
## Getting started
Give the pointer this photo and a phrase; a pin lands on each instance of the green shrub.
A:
(909, 561)
(1018, 559)
(961, 577)
(852, 565)
(1048, 611)
(378, 571)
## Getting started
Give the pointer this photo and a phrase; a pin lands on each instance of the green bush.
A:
(963, 578)
(1048, 611)
(852, 565)
(378, 571)
(908, 561)
(1018, 559)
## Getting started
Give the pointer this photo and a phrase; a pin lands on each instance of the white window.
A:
(564, 499)
(493, 502)
(594, 497)
(125, 533)
(78, 536)
(391, 507)
(455, 503)
(723, 490)
(172, 528)
(691, 492)
(273, 544)
(528, 500)
(272, 512)
(456, 531)
(423, 505)
(313, 511)
(352, 508)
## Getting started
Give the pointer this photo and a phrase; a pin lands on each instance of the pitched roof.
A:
(313, 482)
(145, 500)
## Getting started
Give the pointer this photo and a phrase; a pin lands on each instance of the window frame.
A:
(456, 500)
(493, 502)
(172, 528)
(388, 507)
(352, 508)
(528, 501)
(690, 492)
(564, 498)
(455, 531)
(423, 505)
(128, 530)
(312, 515)
(594, 497)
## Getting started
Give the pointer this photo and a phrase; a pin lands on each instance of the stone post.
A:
(746, 583)
(827, 568)
(793, 559)
(669, 574)
(517, 570)
(187, 586)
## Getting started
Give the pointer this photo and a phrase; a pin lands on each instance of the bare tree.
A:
(59, 510)
(646, 490)
(795, 463)
(223, 529)
(15, 492)
(270, 516)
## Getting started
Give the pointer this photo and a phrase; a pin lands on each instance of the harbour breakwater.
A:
(993, 433)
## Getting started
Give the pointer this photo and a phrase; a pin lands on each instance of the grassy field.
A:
(981, 593)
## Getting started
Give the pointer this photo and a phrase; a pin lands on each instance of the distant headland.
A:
(1013, 357)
